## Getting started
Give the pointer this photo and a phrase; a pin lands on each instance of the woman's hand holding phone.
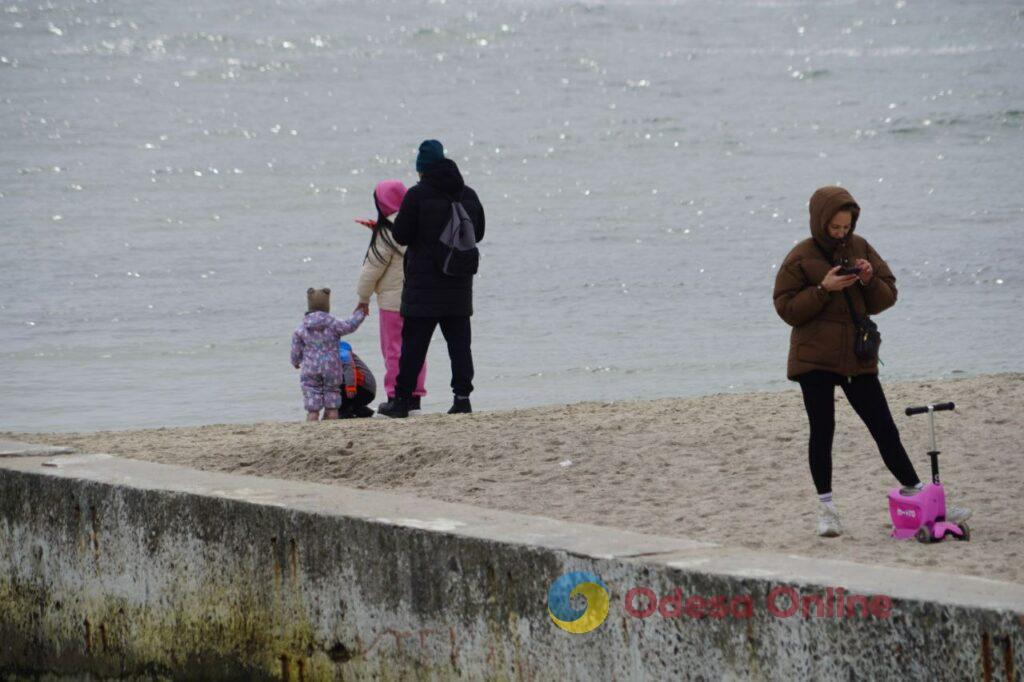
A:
(835, 282)
(866, 271)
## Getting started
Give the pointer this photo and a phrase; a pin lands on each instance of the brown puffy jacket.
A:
(823, 333)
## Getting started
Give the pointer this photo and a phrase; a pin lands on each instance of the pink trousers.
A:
(391, 349)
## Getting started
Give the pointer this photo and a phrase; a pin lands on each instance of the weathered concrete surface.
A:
(14, 448)
(117, 567)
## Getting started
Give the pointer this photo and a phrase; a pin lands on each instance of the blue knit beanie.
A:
(431, 151)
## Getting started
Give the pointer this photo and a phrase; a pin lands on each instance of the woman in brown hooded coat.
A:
(812, 297)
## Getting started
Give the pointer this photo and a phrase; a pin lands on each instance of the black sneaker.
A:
(362, 412)
(396, 408)
(414, 403)
(461, 406)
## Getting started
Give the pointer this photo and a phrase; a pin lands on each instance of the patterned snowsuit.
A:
(315, 350)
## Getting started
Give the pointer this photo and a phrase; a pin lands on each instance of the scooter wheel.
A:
(923, 534)
(967, 532)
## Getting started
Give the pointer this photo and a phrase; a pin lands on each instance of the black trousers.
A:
(416, 333)
(868, 400)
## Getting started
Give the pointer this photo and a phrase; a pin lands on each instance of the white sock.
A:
(826, 499)
(919, 486)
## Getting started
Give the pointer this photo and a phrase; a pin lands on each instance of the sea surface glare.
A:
(174, 175)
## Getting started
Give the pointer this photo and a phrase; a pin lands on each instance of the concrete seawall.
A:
(117, 567)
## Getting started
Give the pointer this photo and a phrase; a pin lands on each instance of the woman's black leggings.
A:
(867, 398)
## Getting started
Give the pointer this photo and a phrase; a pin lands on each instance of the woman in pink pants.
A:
(382, 274)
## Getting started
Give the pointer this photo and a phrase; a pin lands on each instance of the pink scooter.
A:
(923, 514)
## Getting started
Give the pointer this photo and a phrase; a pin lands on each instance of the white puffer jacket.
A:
(383, 276)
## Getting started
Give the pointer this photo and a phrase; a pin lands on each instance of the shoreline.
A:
(728, 468)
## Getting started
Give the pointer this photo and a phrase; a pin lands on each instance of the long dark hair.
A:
(381, 233)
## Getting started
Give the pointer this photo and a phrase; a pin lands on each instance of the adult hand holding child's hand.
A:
(835, 282)
(365, 307)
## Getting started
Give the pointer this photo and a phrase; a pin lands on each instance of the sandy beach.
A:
(725, 468)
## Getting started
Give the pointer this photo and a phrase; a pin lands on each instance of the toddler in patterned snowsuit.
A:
(315, 352)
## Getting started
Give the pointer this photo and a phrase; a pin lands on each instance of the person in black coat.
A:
(430, 298)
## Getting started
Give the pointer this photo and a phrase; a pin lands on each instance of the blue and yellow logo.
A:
(560, 595)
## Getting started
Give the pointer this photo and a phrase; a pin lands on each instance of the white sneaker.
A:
(957, 514)
(828, 521)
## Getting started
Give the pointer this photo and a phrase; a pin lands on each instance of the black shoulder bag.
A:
(866, 337)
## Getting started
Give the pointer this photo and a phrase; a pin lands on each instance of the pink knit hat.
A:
(389, 195)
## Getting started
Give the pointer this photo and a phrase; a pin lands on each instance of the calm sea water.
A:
(174, 175)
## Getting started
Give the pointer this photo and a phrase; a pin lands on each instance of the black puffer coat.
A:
(425, 212)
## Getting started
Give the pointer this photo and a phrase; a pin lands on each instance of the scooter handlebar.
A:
(937, 407)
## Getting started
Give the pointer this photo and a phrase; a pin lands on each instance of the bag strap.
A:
(846, 293)
(849, 304)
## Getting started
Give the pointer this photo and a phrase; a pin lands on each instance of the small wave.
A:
(427, 32)
(811, 74)
(1013, 117)
(951, 121)
(903, 126)
(592, 369)
(586, 7)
